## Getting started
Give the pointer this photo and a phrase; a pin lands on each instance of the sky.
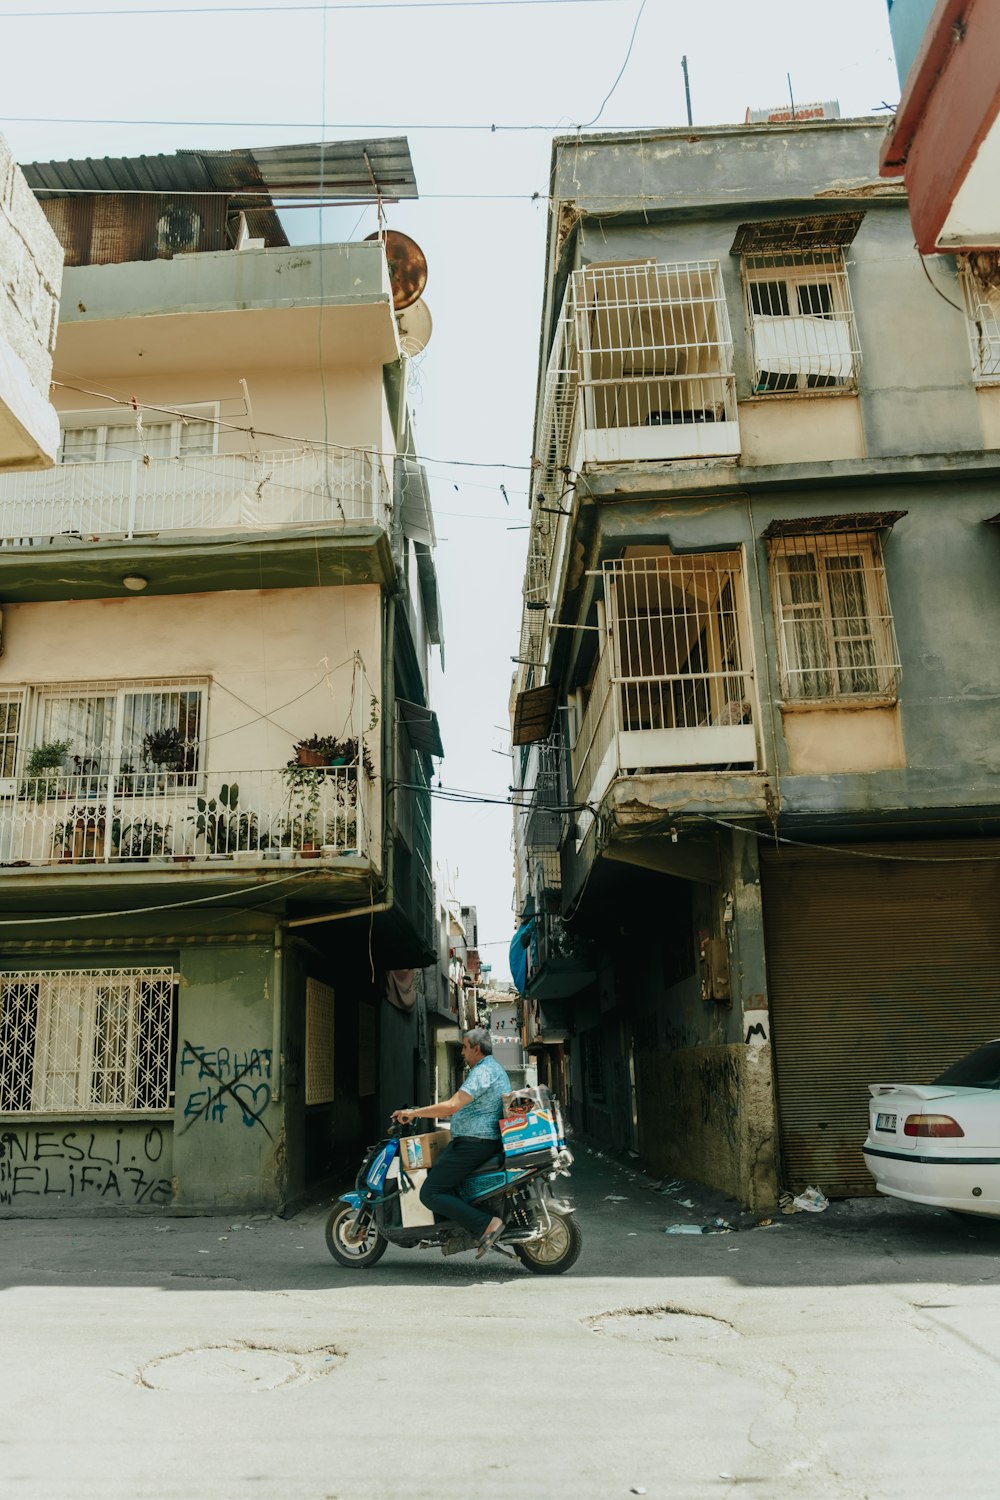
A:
(479, 88)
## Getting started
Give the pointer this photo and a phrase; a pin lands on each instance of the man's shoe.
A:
(489, 1238)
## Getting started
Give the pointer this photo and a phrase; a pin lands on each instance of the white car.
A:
(939, 1143)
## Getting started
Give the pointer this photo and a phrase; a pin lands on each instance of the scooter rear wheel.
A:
(557, 1250)
(357, 1254)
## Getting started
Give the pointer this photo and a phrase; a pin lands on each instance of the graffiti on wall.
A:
(108, 1165)
(225, 1080)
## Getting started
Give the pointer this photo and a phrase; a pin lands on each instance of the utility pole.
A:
(687, 88)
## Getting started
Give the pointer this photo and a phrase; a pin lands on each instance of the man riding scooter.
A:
(474, 1111)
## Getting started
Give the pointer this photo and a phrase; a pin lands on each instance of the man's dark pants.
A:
(459, 1159)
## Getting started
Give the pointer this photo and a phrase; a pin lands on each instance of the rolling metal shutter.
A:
(878, 972)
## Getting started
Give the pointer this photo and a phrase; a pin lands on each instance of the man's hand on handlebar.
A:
(404, 1116)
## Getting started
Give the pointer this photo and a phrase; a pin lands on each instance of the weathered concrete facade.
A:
(215, 671)
(688, 749)
(31, 261)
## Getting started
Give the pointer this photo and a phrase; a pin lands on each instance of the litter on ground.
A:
(811, 1201)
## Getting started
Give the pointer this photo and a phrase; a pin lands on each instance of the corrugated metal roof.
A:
(338, 169)
(855, 520)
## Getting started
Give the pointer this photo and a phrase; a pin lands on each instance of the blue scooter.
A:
(539, 1229)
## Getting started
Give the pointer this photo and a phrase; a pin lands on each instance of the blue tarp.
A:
(519, 954)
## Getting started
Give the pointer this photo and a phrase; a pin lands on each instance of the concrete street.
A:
(851, 1353)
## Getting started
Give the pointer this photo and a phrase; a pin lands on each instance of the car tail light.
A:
(938, 1126)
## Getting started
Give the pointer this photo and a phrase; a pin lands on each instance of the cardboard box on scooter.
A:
(417, 1152)
(412, 1212)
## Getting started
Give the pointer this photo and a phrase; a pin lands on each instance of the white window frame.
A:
(106, 424)
(884, 665)
(11, 741)
(982, 323)
(822, 371)
(33, 717)
(61, 1057)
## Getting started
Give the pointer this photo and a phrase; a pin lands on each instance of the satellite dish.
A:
(415, 328)
(407, 267)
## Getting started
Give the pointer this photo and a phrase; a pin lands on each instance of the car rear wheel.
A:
(557, 1250)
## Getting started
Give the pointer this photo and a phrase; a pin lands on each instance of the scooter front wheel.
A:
(358, 1253)
(558, 1248)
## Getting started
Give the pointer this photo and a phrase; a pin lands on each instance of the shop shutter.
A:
(879, 971)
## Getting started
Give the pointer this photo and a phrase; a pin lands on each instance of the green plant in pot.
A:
(142, 838)
(224, 826)
(43, 770)
(80, 836)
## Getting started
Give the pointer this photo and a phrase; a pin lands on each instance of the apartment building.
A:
(218, 608)
(755, 724)
(30, 277)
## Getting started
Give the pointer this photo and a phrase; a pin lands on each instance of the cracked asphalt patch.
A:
(660, 1325)
(237, 1367)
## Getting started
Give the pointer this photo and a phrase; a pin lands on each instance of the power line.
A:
(409, 127)
(134, 404)
(336, 5)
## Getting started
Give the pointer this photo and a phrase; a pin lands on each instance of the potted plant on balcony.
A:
(142, 838)
(42, 770)
(223, 828)
(79, 838)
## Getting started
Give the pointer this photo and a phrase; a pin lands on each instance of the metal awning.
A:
(788, 236)
(534, 712)
(857, 520)
(421, 726)
(361, 170)
(413, 501)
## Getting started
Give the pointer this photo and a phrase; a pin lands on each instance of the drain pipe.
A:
(278, 1012)
(339, 916)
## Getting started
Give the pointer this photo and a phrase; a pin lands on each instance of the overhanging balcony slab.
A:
(229, 308)
(69, 568)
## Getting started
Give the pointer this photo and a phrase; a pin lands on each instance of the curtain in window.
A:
(88, 724)
(803, 628)
(160, 731)
(853, 645)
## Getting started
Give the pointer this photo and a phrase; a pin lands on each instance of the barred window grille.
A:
(86, 1039)
(678, 641)
(131, 729)
(654, 344)
(11, 711)
(94, 437)
(981, 293)
(801, 321)
(835, 630)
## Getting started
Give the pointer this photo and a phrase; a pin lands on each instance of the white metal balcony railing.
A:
(202, 492)
(184, 816)
(672, 688)
(641, 367)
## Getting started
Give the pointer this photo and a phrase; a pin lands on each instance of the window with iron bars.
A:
(130, 730)
(99, 437)
(836, 638)
(87, 1040)
(801, 322)
(655, 347)
(979, 277)
(681, 648)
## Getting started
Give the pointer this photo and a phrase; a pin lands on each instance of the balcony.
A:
(641, 369)
(557, 968)
(69, 822)
(74, 505)
(672, 688)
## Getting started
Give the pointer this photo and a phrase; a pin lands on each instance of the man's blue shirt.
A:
(487, 1083)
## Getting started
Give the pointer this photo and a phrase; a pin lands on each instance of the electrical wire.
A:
(933, 285)
(335, 5)
(138, 911)
(621, 70)
(841, 849)
(170, 411)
